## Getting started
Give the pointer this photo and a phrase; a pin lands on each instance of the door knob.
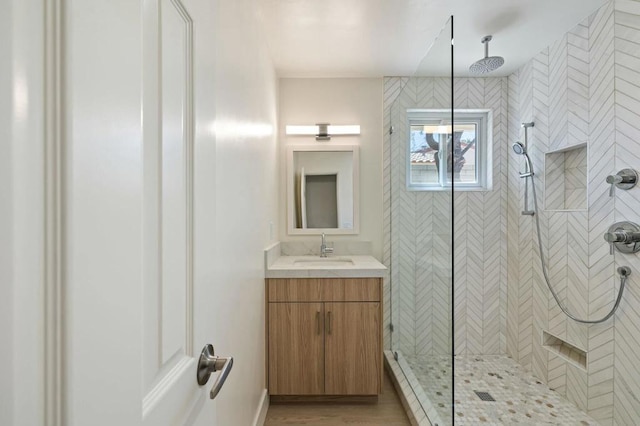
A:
(210, 363)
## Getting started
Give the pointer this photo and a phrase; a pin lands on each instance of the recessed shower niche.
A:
(565, 177)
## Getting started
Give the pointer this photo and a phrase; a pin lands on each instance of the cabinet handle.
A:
(329, 319)
(318, 321)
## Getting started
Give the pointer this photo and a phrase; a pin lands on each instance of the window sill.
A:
(448, 189)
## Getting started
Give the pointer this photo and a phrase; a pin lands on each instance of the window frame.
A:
(483, 118)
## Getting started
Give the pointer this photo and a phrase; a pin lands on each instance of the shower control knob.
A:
(624, 236)
(624, 179)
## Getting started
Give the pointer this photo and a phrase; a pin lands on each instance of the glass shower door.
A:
(419, 163)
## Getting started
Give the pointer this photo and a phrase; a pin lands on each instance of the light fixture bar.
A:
(301, 130)
(322, 131)
(350, 129)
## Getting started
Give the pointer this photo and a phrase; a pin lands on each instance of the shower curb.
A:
(416, 404)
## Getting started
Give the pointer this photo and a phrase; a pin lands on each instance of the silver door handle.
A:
(210, 363)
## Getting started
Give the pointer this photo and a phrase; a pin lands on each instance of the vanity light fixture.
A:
(323, 131)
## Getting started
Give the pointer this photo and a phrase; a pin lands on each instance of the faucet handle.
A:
(613, 180)
(624, 179)
(324, 250)
(624, 236)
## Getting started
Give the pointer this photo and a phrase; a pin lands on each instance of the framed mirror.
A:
(322, 189)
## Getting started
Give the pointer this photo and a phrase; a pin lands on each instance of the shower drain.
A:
(485, 396)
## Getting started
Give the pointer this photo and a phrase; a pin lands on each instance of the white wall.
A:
(338, 101)
(246, 200)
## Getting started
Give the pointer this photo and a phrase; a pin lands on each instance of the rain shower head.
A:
(488, 63)
(519, 149)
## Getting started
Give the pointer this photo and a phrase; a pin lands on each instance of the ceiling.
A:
(374, 38)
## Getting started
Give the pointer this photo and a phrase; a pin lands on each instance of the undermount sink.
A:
(323, 262)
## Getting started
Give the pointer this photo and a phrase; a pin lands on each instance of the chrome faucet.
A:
(323, 247)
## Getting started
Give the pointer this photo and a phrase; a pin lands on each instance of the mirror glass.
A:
(322, 189)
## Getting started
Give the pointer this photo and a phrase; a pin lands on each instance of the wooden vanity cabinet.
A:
(352, 351)
(296, 349)
(324, 336)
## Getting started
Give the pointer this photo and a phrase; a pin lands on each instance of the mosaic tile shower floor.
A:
(519, 397)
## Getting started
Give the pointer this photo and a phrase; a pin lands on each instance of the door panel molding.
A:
(54, 214)
(168, 203)
(154, 397)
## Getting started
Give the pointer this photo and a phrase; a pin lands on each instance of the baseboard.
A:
(261, 413)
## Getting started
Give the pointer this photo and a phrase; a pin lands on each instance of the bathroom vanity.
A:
(324, 327)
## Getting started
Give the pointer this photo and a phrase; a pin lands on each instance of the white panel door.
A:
(137, 213)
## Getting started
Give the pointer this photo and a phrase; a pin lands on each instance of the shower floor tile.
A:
(519, 397)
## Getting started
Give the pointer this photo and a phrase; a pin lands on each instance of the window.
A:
(432, 150)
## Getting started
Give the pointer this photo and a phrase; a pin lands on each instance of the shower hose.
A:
(624, 271)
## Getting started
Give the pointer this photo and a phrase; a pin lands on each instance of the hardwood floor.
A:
(388, 411)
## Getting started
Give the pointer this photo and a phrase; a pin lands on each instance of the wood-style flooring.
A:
(388, 411)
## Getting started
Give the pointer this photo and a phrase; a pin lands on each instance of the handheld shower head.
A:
(519, 148)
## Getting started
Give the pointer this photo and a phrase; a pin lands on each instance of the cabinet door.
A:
(353, 355)
(296, 349)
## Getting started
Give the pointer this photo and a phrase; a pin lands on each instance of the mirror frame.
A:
(291, 229)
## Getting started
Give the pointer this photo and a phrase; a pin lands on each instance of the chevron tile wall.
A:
(601, 212)
(419, 239)
(513, 220)
(627, 205)
(553, 92)
(592, 95)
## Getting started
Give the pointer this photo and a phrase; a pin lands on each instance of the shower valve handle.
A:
(622, 237)
(625, 236)
(624, 179)
(613, 180)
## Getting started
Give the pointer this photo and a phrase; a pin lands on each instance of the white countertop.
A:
(348, 266)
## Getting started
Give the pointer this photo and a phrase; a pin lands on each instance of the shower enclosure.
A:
(474, 333)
